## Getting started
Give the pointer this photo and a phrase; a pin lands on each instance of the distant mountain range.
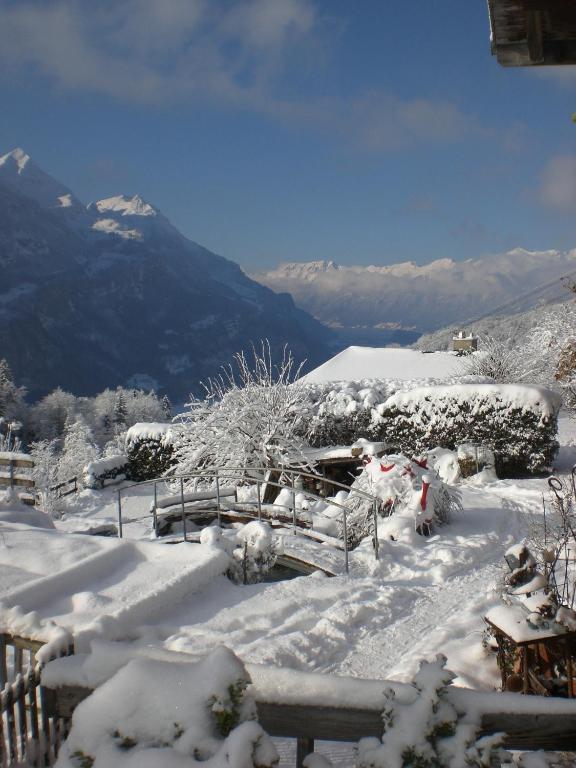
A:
(407, 299)
(111, 293)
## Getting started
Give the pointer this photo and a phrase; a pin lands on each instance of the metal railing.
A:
(259, 476)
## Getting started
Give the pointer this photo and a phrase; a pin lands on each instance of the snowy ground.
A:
(419, 599)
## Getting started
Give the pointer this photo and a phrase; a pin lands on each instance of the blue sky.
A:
(293, 130)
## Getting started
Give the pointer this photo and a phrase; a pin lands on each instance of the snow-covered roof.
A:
(356, 363)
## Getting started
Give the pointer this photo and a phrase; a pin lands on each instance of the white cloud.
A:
(558, 182)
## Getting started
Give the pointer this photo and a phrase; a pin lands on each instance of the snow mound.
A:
(148, 431)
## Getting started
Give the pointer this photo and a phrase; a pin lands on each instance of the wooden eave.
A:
(527, 33)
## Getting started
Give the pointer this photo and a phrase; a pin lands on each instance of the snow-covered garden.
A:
(450, 475)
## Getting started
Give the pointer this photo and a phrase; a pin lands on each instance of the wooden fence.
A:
(65, 488)
(10, 463)
(29, 734)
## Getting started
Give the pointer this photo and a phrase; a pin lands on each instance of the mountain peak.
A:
(17, 158)
(19, 171)
(125, 206)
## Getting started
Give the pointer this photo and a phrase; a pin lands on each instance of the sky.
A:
(363, 131)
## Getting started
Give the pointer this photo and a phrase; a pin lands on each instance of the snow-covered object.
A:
(517, 422)
(13, 511)
(342, 412)
(112, 469)
(257, 552)
(56, 639)
(407, 487)
(157, 713)
(149, 431)
(445, 463)
(428, 731)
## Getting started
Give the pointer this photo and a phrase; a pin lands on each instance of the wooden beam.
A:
(524, 730)
(534, 42)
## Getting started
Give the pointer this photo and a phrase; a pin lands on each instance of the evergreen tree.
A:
(120, 410)
(167, 407)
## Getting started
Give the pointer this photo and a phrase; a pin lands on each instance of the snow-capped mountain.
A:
(111, 293)
(423, 298)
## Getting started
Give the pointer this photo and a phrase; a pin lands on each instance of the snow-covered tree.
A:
(253, 415)
(12, 405)
(78, 449)
(120, 410)
(50, 415)
(500, 359)
(45, 471)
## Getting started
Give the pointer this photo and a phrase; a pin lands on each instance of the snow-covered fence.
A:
(311, 707)
(15, 471)
(29, 735)
(106, 471)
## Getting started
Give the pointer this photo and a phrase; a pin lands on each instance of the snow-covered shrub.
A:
(517, 422)
(253, 415)
(340, 412)
(169, 714)
(256, 553)
(149, 450)
(402, 486)
(45, 472)
(112, 469)
(427, 731)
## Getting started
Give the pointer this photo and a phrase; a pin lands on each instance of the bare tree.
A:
(253, 415)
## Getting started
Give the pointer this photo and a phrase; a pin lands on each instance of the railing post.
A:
(294, 515)
(119, 514)
(304, 747)
(183, 510)
(155, 511)
(218, 498)
(376, 542)
(259, 500)
(345, 532)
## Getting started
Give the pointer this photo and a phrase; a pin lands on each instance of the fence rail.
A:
(70, 486)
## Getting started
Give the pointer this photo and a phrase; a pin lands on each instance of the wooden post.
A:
(304, 747)
(259, 500)
(525, 669)
(569, 671)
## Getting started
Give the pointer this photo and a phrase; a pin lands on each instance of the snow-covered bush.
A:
(517, 422)
(112, 469)
(256, 553)
(149, 448)
(157, 713)
(403, 486)
(253, 415)
(45, 471)
(340, 412)
(427, 731)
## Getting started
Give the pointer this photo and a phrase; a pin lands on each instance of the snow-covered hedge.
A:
(112, 469)
(342, 411)
(149, 450)
(519, 423)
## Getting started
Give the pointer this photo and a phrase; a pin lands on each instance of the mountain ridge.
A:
(112, 293)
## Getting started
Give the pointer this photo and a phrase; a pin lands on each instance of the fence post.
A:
(218, 498)
(376, 542)
(259, 500)
(119, 514)
(155, 511)
(294, 515)
(183, 510)
(345, 532)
